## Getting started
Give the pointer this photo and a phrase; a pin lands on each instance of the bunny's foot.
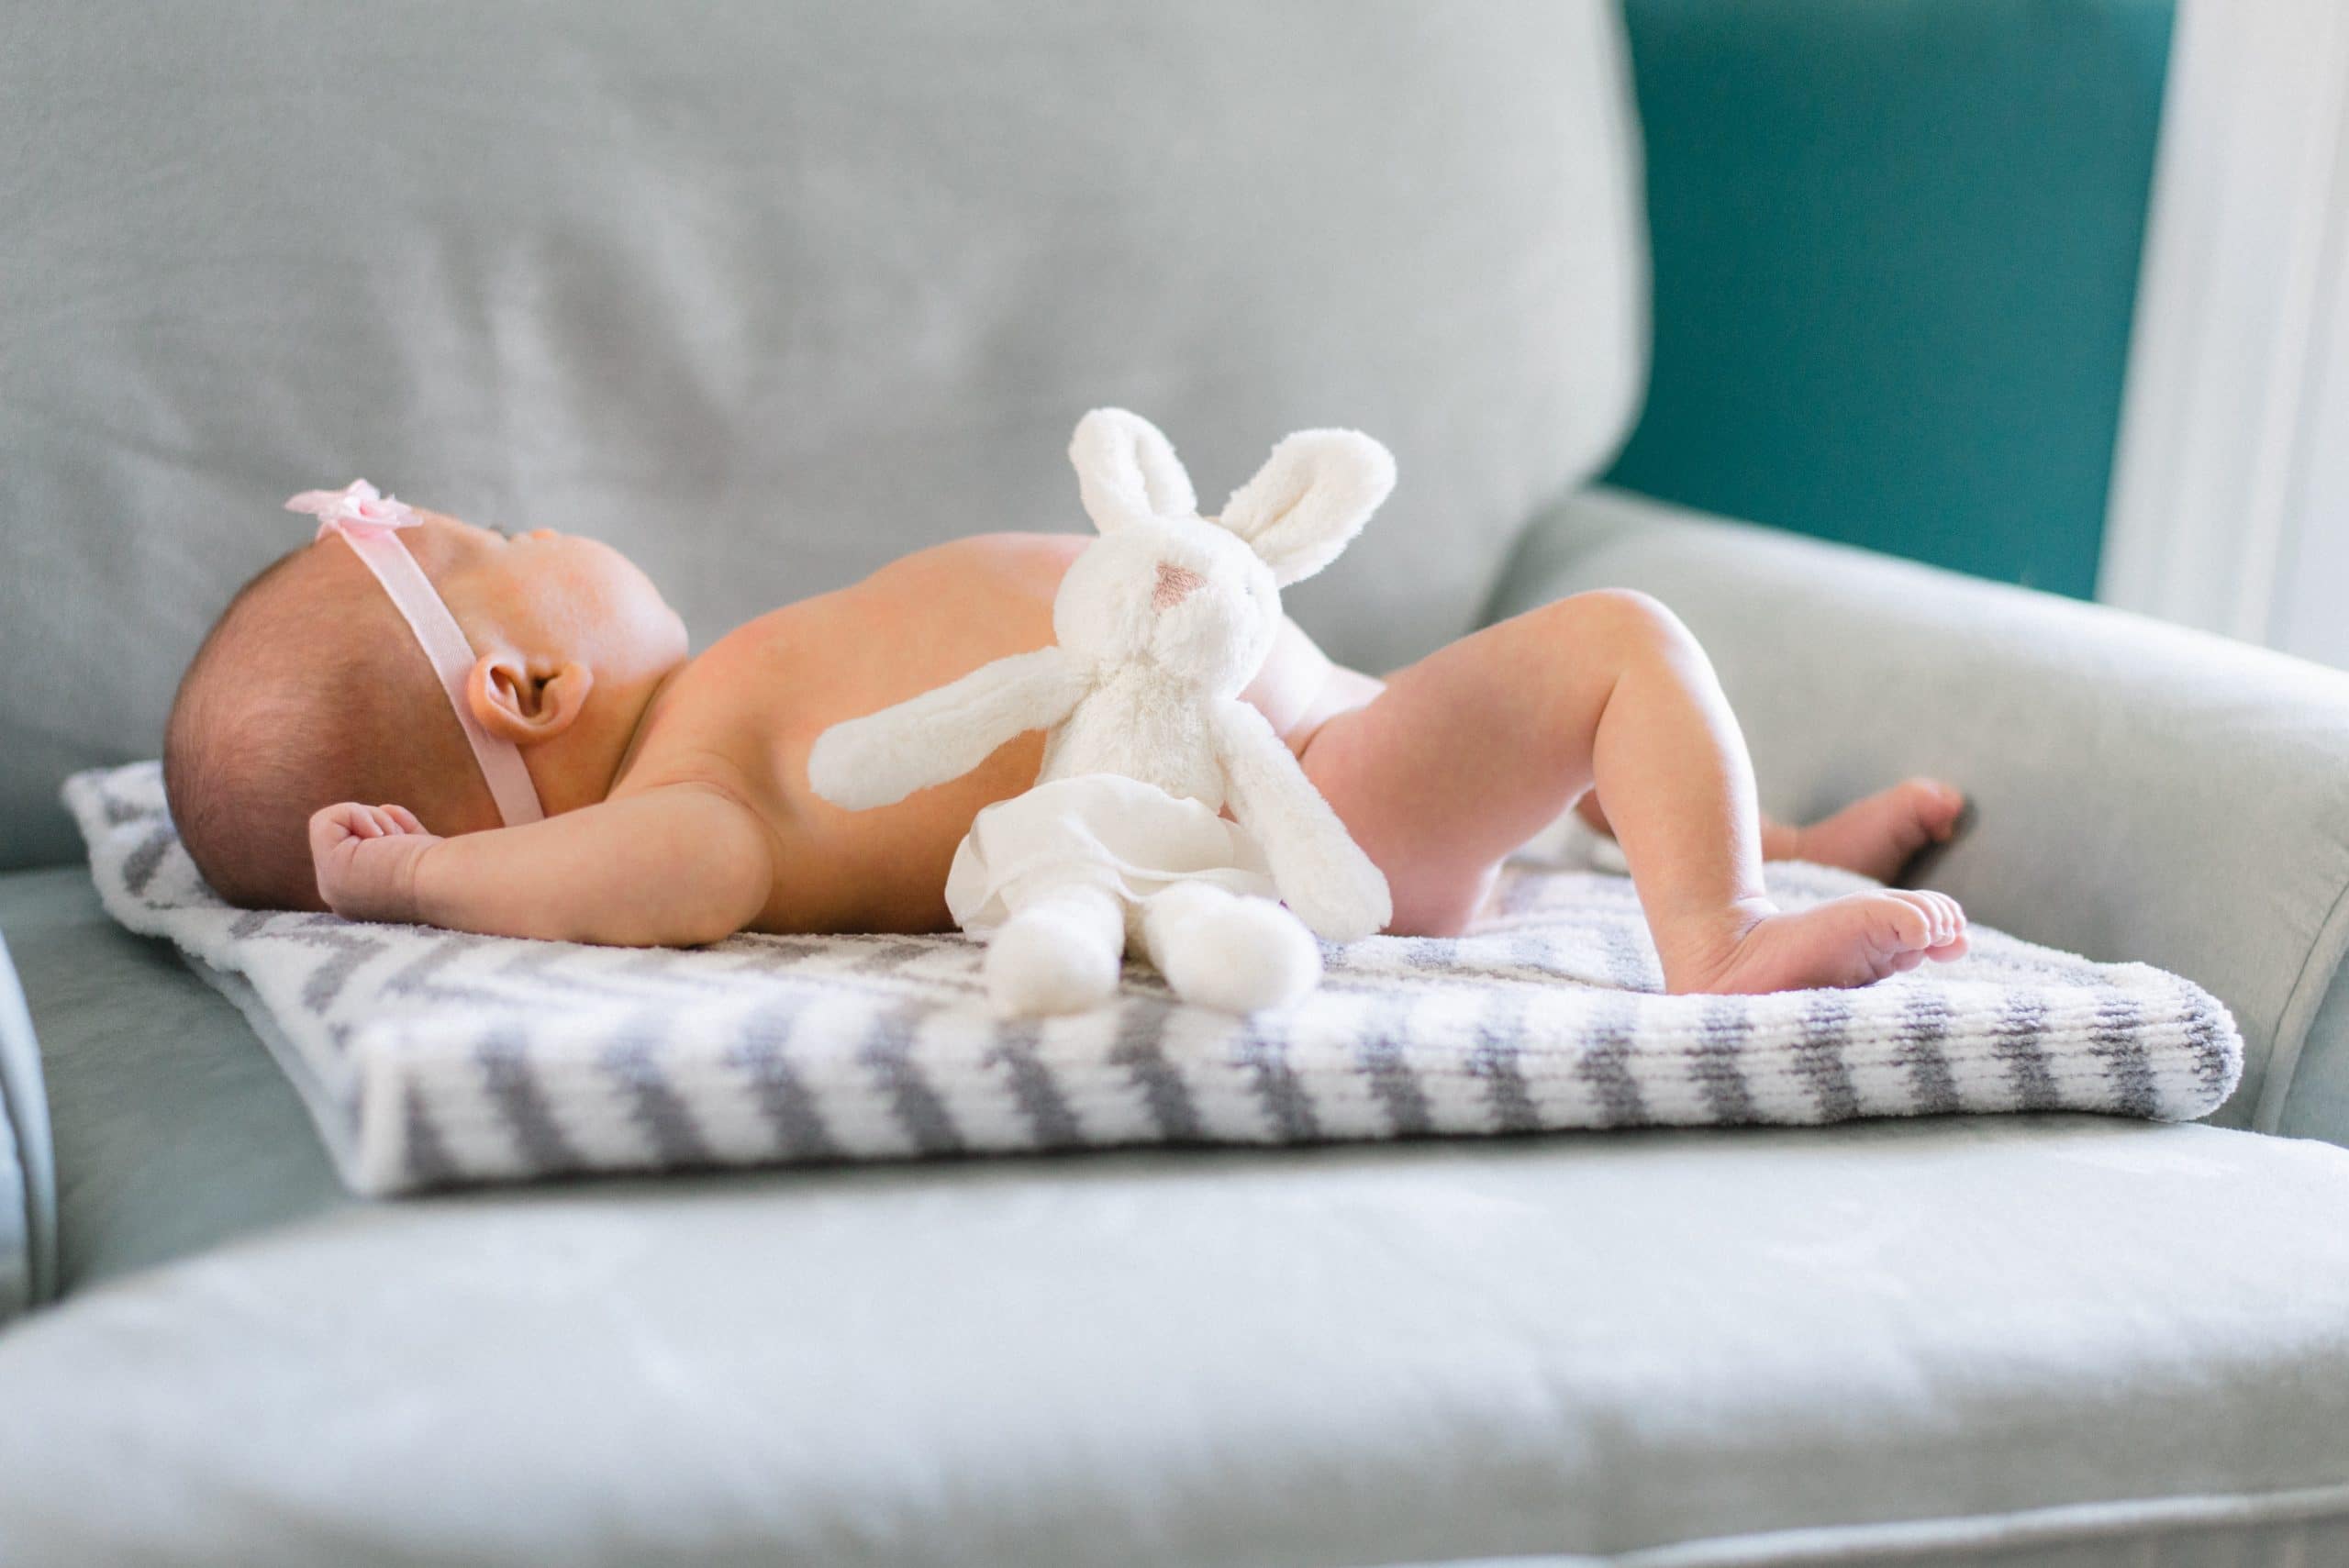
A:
(1058, 954)
(1219, 949)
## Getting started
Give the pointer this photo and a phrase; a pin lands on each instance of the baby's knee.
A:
(1622, 618)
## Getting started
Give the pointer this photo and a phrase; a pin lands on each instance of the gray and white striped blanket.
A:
(430, 1058)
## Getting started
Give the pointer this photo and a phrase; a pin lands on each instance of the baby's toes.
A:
(1956, 924)
(1907, 920)
(1948, 939)
(1936, 804)
(1942, 912)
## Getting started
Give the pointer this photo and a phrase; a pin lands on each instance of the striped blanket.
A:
(430, 1058)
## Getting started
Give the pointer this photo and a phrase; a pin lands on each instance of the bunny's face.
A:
(1183, 595)
(1201, 596)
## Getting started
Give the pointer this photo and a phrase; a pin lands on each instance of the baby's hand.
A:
(366, 858)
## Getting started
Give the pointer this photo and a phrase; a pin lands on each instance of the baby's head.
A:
(311, 690)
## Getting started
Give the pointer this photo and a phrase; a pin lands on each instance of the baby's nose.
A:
(1175, 585)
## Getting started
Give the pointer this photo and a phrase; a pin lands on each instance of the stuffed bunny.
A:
(1161, 621)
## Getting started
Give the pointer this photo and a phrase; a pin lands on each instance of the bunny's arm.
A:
(1321, 871)
(942, 734)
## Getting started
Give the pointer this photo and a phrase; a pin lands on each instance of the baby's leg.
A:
(1466, 754)
(1875, 835)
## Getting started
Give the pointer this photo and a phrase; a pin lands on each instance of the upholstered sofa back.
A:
(768, 293)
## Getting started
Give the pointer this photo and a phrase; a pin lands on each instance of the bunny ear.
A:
(1310, 498)
(1127, 472)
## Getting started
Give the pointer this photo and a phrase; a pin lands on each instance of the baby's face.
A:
(554, 592)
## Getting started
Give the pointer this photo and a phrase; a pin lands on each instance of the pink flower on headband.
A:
(357, 504)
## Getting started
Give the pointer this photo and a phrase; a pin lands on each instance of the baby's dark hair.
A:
(309, 690)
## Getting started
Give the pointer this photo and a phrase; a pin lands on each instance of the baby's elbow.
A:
(733, 899)
(686, 912)
(674, 928)
(695, 933)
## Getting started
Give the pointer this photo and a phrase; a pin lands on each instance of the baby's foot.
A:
(1853, 941)
(1877, 836)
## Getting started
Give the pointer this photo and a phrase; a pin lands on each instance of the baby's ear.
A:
(516, 702)
(1127, 472)
(1310, 498)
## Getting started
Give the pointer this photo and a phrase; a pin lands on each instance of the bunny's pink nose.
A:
(1175, 585)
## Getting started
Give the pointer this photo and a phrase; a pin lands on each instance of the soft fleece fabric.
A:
(430, 1058)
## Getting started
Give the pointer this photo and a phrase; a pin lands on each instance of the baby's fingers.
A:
(332, 825)
(366, 858)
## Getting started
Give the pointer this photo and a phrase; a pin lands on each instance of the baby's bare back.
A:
(743, 716)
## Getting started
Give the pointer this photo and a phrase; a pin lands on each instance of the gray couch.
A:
(767, 294)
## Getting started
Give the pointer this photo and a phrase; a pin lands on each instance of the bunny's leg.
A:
(1058, 952)
(1221, 949)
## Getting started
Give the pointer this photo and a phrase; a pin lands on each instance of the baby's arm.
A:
(672, 867)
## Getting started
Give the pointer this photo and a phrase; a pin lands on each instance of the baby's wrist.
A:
(418, 881)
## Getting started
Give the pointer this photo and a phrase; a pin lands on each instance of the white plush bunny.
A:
(1161, 621)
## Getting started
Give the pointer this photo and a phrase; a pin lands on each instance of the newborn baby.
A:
(555, 764)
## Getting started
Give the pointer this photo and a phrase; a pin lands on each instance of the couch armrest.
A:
(2139, 791)
(28, 1174)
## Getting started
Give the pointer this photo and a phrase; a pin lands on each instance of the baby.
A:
(563, 768)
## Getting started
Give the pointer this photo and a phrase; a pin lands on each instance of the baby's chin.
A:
(623, 591)
(656, 635)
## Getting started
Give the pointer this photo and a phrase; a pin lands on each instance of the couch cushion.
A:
(766, 295)
(27, 1168)
(2139, 791)
(1780, 1347)
(172, 1126)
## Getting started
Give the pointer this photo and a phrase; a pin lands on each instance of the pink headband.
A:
(368, 522)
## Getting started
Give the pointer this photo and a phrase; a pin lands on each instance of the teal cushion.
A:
(1896, 262)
